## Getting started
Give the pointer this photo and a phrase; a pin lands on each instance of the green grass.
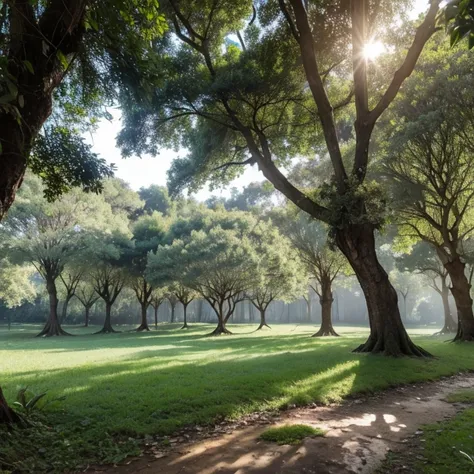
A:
(290, 434)
(136, 384)
(462, 396)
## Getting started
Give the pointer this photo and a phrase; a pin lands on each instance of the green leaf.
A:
(62, 58)
(29, 66)
(31, 404)
(21, 100)
(471, 41)
(13, 89)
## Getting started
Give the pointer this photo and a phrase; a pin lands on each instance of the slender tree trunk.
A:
(387, 334)
(461, 291)
(450, 325)
(185, 313)
(155, 309)
(326, 300)
(64, 309)
(108, 320)
(53, 325)
(86, 322)
(144, 323)
(172, 313)
(263, 322)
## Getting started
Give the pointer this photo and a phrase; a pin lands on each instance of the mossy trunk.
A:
(387, 334)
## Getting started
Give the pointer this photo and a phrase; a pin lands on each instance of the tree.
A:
(309, 238)
(148, 232)
(173, 301)
(49, 236)
(422, 258)
(258, 103)
(281, 273)
(87, 295)
(459, 15)
(158, 295)
(70, 278)
(219, 264)
(185, 296)
(80, 53)
(430, 166)
(157, 199)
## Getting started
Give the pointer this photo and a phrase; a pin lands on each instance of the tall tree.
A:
(185, 296)
(259, 103)
(50, 235)
(158, 295)
(75, 54)
(429, 162)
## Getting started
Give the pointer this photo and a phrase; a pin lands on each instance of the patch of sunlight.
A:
(70, 390)
(389, 419)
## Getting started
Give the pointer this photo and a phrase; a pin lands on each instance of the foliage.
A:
(459, 17)
(16, 285)
(290, 434)
(29, 402)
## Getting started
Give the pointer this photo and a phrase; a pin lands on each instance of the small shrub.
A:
(290, 434)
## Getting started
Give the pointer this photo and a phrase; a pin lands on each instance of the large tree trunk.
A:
(144, 323)
(450, 325)
(53, 326)
(461, 290)
(185, 312)
(387, 334)
(7, 415)
(221, 322)
(263, 322)
(326, 300)
(62, 28)
(108, 320)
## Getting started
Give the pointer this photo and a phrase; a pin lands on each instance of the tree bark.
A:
(185, 312)
(172, 313)
(461, 291)
(107, 328)
(86, 322)
(64, 308)
(7, 415)
(144, 323)
(220, 329)
(326, 300)
(62, 27)
(387, 334)
(53, 325)
(450, 325)
(263, 322)
(155, 309)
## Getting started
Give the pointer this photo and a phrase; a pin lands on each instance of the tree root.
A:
(219, 331)
(406, 348)
(323, 332)
(106, 331)
(263, 325)
(142, 327)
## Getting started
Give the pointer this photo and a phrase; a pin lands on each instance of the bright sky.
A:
(148, 170)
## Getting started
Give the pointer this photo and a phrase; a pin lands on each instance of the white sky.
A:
(148, 170)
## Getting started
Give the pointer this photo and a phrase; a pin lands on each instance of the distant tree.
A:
(173, 301)
(70, 278)
(280, 269)
(185, 296)
(157, 199)
(220, 264)
(158, 295)
(309, 238)
(148, 232)
(422, 258)
(87, 295)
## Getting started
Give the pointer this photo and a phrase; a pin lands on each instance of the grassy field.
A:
(127, 385)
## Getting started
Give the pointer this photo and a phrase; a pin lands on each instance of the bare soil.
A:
(359, 433)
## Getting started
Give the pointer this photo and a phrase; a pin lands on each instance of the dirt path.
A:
(359, 434)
